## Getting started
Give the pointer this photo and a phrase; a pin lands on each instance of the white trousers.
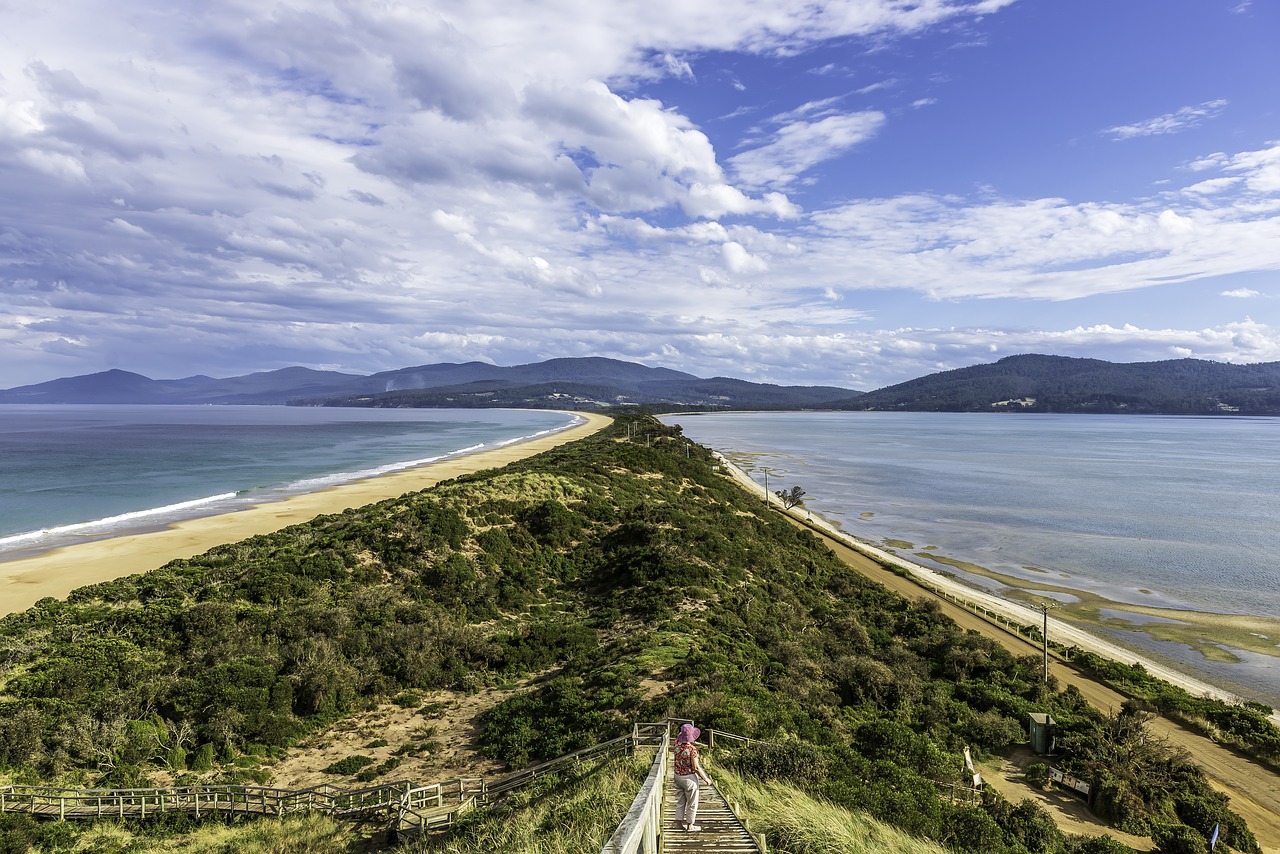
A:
(686, 798)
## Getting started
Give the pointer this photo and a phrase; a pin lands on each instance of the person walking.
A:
(688, 773)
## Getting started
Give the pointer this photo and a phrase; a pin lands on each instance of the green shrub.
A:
(348, 766)
(407, 699)
(1037, 774)
(1179, 839)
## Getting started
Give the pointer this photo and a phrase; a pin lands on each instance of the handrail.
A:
(526, 775)
(641, 830)
(414, 808)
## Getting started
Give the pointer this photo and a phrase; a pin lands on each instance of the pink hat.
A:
(688, 733)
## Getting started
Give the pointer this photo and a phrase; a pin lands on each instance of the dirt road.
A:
(1254, 791)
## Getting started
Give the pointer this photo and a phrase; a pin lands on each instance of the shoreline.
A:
(24, 581)
(932, 581)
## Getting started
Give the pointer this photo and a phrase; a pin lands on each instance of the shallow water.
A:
(1168, 512)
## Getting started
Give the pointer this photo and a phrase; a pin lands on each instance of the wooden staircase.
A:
(722, 832)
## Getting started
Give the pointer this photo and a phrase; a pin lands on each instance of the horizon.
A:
(830, 193)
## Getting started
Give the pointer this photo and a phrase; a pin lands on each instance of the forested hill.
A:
(1034, 383)
(636, 581)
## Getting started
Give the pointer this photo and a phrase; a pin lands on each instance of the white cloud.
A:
(369, 186)
(1175, 122)
(877, 86)
(739, 260)
(1242, 293)
(798, 147)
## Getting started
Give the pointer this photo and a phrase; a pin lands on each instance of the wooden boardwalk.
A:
(722, 832)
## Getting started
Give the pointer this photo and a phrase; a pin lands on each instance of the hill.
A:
(598, 584)
(591, 383)
(1035, 383)
(1025, 383)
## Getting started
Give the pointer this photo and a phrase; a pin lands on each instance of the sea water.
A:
(70, 473)
(1172, 512)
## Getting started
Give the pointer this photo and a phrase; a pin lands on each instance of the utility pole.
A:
(766, 484)
(1044, 635)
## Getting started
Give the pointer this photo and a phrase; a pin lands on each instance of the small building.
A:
(1041, 733)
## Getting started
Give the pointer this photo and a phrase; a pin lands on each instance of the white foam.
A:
(113, 523)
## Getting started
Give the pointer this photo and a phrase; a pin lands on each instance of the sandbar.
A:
(25, 581)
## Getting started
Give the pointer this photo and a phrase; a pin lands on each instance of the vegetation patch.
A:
(348, 766)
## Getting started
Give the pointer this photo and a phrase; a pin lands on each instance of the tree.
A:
(790, 498)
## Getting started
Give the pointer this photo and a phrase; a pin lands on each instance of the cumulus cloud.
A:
(1242, 293)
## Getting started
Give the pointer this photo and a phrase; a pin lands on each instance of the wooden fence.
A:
(200, 800)
(411, 809)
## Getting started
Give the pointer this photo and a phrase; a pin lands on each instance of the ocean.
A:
(75, 473)
(1162, 523)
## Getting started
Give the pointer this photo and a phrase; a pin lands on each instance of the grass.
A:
(795, 823)
(303, 833)
(557, 815)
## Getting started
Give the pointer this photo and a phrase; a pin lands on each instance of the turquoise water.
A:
(69, 473)
(1164, 511)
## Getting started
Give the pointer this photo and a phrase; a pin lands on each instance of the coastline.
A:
(930, 580)
(26, 580)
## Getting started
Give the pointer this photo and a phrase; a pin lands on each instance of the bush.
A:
(794, 761)
(348, 766)
(1096, 845)
(407, 699)
(1179, 839)
(1037, 774)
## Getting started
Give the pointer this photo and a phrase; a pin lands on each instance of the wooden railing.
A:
(426, 808)
(413, 809)
(641, 830)
(200, 800)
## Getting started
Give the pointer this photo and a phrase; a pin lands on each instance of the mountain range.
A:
(1023, 383)
(556, 383)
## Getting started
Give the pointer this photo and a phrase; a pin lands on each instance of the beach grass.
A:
(301, 833)
(794, 822)
(559, 814)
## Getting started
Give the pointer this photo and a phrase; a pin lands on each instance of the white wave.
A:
(111, 523)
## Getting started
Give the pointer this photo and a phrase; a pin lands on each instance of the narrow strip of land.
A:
(56, 573)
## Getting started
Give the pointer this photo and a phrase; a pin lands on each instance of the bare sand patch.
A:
(431, 741)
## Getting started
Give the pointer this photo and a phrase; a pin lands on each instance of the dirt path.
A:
(1254, 791)
(1072, 814)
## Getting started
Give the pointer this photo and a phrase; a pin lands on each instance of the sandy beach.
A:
(25, 581)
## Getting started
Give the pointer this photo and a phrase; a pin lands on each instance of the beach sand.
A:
(25, 581)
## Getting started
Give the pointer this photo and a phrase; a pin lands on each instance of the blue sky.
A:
(853, 193)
